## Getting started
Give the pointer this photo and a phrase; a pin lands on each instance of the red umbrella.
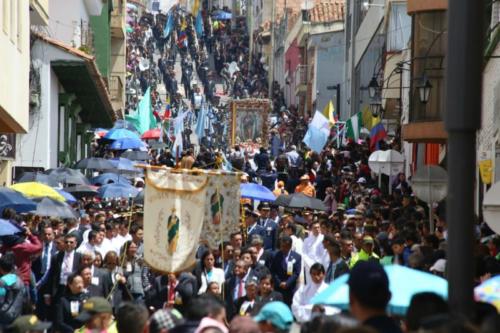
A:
(152, 134)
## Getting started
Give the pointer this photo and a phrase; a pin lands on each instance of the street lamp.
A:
(424, 90)
(373, 87)
(376, 108)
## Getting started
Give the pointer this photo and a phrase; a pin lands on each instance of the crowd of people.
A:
(89, 273)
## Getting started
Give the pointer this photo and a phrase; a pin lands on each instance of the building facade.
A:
(73, 96)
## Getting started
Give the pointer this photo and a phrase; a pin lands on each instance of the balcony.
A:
(118, 19)
(301, 80)
(116, 91)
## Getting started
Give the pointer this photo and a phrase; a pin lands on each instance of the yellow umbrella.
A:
(37, 190)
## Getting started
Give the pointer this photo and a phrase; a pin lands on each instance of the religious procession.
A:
(220, 199)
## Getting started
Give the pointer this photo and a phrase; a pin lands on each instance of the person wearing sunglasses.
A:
(62, 265)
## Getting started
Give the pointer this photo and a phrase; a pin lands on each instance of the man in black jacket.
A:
(234, 288)
(174, 291)
(285, 269)
(336, 266)
(61, 266)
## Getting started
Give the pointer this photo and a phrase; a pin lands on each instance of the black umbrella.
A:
(38, 177)
(96, 163)
(54, 208)
(80, 191)
(68, 176)
(136, 155)
(299, 200)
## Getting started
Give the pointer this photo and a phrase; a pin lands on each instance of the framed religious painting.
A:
(249, 121)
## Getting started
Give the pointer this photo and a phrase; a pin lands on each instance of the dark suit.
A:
(186, 288)
(257, 271)
(53, 286)
(229, 288)
(340, 269)
(101, 283)
(279, 267)
(255, 230)
(270, 229)
(261, 301)
(36, 265)
(266, 258)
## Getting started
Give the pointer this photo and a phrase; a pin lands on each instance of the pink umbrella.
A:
(152, 134)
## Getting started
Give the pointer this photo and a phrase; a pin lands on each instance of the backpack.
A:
(12, 304)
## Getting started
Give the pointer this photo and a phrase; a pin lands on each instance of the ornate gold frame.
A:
(251, 103)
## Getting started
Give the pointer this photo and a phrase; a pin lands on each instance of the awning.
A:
(78, 74)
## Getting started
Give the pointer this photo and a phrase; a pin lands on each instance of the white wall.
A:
(487, 141)
(64, 20)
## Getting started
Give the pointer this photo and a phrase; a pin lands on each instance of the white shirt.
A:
(86, 247)
(118, 242)
(297, 244)
(67, 267)
(301, 304)
(313, 250)
(105, 247)
(217, 275)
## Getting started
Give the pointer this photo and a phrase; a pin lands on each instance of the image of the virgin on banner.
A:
(173, 213)
(222, 213)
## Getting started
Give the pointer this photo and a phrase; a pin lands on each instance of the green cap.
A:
(28, 323)
(92, 306)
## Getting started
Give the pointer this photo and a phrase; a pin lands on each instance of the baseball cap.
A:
(368, 239)
(28, 323)
(277, 313)
(165, 319)
(368, 281)
(92, 306)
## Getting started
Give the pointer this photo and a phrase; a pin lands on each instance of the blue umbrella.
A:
(121, 133)
(15, 200)
(117, 191)
(256, 192)
(127, 143)
(404, 282)
(124, 164)
(54, 208)
(67, 196)
(8, 228)
(39, 177)
(108, 178)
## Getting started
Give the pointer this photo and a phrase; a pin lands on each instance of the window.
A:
(399, 28)
(429, 51)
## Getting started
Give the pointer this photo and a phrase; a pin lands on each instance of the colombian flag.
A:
(377, 133)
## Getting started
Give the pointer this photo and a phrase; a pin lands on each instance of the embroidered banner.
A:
(173, 213)
(222, 208)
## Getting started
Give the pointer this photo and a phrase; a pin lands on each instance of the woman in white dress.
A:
(208, 273)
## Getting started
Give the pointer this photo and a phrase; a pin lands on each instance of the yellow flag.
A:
(369, 121)
(196, 7)
(485, 171)
(328, 112)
